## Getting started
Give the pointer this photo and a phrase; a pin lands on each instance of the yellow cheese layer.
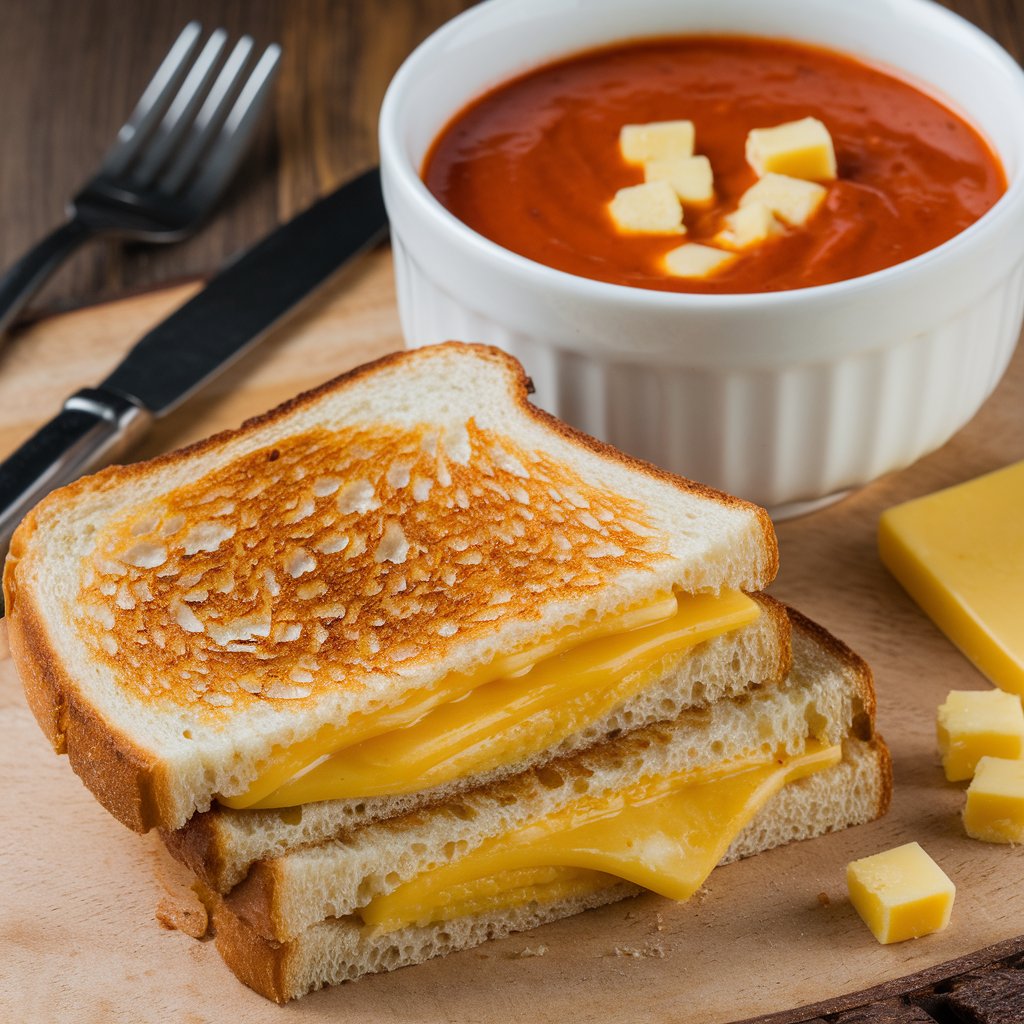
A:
(514, 707)
(665, 833)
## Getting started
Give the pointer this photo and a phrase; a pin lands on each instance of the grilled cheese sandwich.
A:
(407, 657)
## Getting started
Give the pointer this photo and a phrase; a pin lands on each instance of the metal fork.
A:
(173, 157)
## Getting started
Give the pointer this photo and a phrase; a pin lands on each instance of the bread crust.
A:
(124, 778)
(260, 963)
(129, 780)
(885, 761)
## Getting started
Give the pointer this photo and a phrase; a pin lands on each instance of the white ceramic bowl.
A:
(788, 398)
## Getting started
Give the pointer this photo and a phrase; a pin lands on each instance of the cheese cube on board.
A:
(994, 812)
(973, 723)
(652, 208)
(749, 225)
(793, 201)
(696, 261)
(901, 893)
(799, 149)
(959, 553)
(690, 176)
(641, 142)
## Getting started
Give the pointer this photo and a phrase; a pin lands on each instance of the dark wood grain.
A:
(984, 987)
(70, 70)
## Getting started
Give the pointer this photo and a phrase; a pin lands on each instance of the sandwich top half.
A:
(405, 582)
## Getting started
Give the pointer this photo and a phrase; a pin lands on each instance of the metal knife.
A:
(194, 344)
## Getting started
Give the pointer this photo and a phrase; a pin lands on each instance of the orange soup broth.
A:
(533, 164)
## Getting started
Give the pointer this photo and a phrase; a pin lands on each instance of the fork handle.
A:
(26, 277)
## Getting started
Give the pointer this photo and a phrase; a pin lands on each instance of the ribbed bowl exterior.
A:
(782, 437)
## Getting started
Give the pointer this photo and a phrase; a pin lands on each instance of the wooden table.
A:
(70, 72)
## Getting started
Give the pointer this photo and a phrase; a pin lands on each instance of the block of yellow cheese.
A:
(959, 553)
(793, 201)
(641, 142)
(799, 149)
(653, 208)
(994, 811)
(689, 176)
(973, 723)
(901, 893)
(693, 260)
(748, 226)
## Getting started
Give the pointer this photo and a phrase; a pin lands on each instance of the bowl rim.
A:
(399, 171)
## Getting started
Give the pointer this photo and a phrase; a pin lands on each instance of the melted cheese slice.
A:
(516, 706)
(665, 834)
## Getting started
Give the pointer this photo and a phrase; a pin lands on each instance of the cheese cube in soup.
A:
(652, 208)
(641, 142)
(749, 225)
(690, 176)
(696, 261)
(798, 149)
(793, 201)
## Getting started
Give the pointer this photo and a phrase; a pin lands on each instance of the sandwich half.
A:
(406, 583)
(656, 809)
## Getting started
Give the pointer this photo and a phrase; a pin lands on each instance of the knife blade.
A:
(199, 340)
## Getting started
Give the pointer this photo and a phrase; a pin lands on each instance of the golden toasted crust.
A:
(199, 846)
(260, 963)
(125, 778)
(255, 899)
(288, 573)
(885, 757)
(122, 776)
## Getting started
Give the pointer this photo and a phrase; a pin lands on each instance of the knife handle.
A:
(94, 427)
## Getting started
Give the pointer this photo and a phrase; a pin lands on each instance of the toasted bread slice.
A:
(176, 620)
(828, 698)
(856, 790)
(220, 844)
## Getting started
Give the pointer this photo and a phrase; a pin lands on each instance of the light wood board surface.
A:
(78, 938)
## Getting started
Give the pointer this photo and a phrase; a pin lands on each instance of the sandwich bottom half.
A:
(344, 949)
(655, 809)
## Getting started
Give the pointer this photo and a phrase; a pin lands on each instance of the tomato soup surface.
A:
(533, 164)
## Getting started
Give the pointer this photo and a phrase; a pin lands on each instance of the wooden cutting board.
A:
(78, 938)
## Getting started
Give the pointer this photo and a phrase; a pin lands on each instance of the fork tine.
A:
(209, 118)
(154, 100)
(233, 138)
(181, 111)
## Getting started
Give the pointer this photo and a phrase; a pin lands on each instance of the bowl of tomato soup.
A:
(849, 323)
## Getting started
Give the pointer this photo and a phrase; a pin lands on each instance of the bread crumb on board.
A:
(187, 916)
(529, 951)
(651, 950)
